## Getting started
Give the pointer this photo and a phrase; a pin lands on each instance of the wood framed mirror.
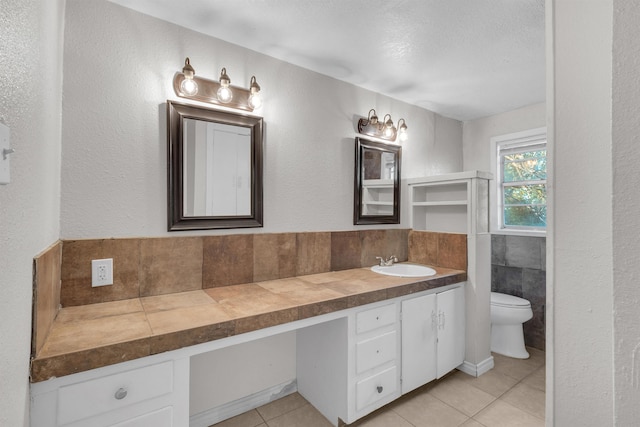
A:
(377, 183)
(214, 161)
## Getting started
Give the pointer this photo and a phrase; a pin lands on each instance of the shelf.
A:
(442, 179)
(442, 203)
(376, 203)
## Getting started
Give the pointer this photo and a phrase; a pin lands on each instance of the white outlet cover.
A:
(104, 277)
(5, 161)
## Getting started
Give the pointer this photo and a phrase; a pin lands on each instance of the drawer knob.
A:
(121, 393)
(379, 388)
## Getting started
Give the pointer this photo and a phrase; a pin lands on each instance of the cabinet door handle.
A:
(379, 388)
(121, 393)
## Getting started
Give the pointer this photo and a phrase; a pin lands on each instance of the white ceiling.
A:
(463, 59)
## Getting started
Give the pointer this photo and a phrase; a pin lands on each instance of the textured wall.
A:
(580, 244)
(30, 104)
(626, 204)
(118, 68)
(478, 133)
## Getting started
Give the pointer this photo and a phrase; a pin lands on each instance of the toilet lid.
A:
(505, 300)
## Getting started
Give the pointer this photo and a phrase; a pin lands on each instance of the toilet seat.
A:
(504, 300)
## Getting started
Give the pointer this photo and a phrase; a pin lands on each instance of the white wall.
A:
(579, 239)
(626, 205)
(262, 363)
(476, 147)
(30, 104)
(119, 67)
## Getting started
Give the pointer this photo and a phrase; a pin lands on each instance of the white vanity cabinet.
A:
(145, 392)
(350, 367)
(433, 337)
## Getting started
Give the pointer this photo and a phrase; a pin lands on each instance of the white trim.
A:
(475, 370)
(532, 136)
(242, 405)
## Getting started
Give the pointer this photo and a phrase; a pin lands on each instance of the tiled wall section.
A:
(518, 267)
(442, 249)
(46, 293)
(155, 266)
(146, 267)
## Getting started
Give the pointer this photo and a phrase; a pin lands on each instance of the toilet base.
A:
(508, 340)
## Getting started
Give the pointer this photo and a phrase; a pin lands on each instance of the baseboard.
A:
(475, 370)
(240, 406)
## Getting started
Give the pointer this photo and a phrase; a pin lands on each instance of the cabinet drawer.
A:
(375, 351)
(375, 388)
(93, 397)
(375, 318)
(160, 418)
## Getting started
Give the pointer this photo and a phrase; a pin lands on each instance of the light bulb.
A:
(402, 130)
(255, 100)
(388, 132)
(224, 94)
(189, 86)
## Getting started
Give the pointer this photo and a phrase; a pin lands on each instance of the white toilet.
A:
(508, 313)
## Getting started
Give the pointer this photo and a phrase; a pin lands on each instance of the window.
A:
(520, 165)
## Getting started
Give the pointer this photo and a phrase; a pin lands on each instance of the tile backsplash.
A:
(155, 266)
(46, 293)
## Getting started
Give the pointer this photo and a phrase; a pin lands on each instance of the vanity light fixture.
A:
(187, 85)
(225, 94)
(255, 99)
(384, 129)
(402, 130)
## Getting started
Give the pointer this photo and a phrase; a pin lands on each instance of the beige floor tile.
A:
(527, 398)
(501, 414)
(464, 397)
(536, 356)
(472, 423)
(282, 406)
(385, 418)
(537, 380)
(424, 410)
(306, 416)
(493, 382)
(516, 368)
(248, 419)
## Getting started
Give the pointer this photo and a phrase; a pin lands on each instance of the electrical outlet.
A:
(101, 272)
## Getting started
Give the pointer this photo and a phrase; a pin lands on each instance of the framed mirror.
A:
(214, 168)
(377, 183)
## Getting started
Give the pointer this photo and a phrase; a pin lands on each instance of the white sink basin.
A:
(404, 270)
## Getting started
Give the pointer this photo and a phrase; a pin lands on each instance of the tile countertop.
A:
(96, 335)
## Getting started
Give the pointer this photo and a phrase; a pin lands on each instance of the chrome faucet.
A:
(388, 262)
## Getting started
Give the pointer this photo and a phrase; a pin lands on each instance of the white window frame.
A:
(518, 139)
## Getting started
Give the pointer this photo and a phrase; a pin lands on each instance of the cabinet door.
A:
(419, 332)
(451, 330)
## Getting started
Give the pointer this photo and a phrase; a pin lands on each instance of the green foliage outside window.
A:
(524, 188)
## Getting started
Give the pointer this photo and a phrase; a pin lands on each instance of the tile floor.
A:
(512, 394)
